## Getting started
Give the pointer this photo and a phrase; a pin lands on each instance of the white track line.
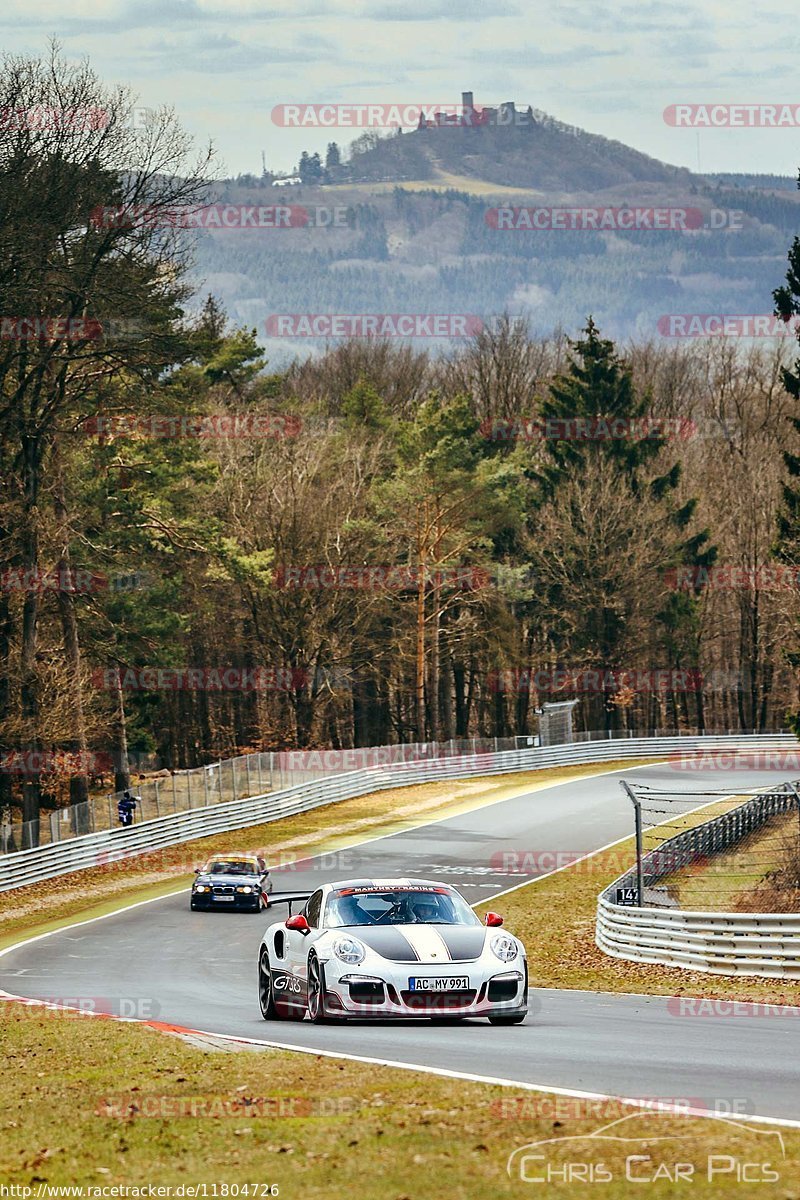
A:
(676, 1109)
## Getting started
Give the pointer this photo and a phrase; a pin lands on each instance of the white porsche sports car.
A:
(371, 948)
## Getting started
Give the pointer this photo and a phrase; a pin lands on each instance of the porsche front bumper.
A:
(352, 992)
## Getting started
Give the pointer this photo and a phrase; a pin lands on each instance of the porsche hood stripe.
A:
(427, 942)
(463, 943)
(388, 942)
(423, 943)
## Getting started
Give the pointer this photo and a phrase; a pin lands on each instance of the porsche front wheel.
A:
(316, 991)
(266, 998)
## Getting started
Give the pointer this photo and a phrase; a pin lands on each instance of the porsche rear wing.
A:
(289, 898)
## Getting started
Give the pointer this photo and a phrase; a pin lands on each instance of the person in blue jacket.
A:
(125, 808)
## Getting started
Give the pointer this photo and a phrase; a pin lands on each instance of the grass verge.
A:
(101, 1105)
(757, 875)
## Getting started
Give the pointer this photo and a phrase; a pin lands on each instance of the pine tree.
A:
(596, 424)
(310, 168)
(596, 389)
(787, 306)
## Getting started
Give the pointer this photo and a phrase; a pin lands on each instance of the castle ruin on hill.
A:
(467, 116)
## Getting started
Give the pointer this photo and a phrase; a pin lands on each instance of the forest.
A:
(204, 556)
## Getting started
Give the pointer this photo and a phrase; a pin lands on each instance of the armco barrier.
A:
(719, 943)
(44, 862)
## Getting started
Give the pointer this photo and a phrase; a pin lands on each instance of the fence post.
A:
(260, 779)
(174, 794)
(189, 775)
(247, 769)
(158, 806)
(637, 816)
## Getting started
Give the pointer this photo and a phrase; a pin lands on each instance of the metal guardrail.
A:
(45, 862)
(228, 779)
(719, 943)
(265, 771)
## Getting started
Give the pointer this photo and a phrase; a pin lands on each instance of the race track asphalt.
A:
(160, 961)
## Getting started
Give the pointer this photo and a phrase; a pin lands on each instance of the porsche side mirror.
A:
(493, 920)
(299, 923)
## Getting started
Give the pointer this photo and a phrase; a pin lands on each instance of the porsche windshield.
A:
(397, 906)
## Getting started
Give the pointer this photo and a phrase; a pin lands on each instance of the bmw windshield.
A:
(350, 907)
(229, 867)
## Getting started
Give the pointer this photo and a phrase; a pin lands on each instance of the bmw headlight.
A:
(348, 949)
(246, 890)
(503, 947)
(201, 887)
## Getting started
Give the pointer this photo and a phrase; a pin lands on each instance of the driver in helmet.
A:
(348, 911)
(424, 910)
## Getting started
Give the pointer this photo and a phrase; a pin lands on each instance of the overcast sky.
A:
(611, 68)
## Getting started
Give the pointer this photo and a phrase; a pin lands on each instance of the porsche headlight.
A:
(348, 949)
(503, 947)
(246, 890)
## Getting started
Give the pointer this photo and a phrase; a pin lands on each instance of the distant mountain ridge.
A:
(420, 234)
(510, 147)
